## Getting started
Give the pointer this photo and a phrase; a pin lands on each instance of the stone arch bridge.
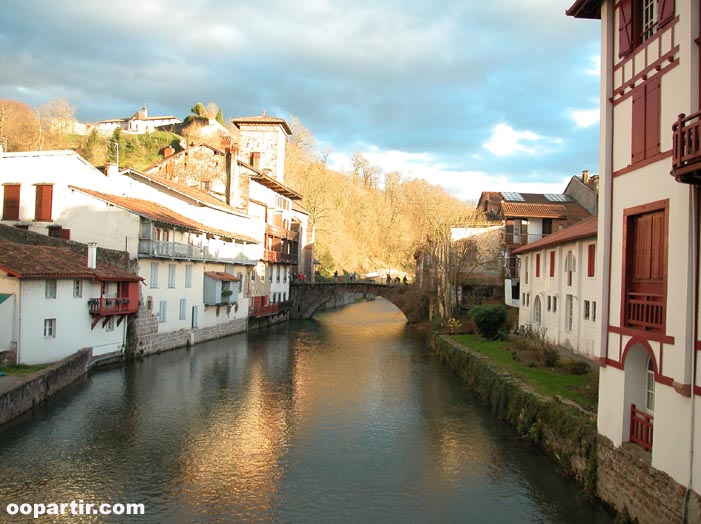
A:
(307, 298)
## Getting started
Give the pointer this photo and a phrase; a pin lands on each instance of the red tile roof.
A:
(261, 119)
(587, 228)
(159, 213)
(31, 261)
(221, 275)
(522, 209)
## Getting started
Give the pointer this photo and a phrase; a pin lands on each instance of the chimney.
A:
(585, 177)
(111, 169)
(92, 255)
(168, 151)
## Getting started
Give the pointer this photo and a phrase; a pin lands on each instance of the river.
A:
(344, 418)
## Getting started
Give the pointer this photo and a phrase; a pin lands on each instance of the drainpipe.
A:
(696, 215)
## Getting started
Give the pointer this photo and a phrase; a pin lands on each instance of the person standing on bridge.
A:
(389, 279)
(335, 276)
(406, 280)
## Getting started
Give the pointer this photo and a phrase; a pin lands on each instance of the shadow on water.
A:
(343, 418)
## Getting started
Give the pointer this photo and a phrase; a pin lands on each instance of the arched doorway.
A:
(640, 369)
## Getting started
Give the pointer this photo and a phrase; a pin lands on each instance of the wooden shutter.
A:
(10, 204)
(44, 196)
(638, 125)
(591, 264)
(665, 12)
(552, 263)
(652, 117)
(537, 265)
(625, 27)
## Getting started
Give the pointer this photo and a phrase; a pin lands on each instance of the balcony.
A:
(276, 256)
(522, 238)
(103, 306)
(280, 232)
(686, 149)
(645, 311)
(640, 428)
(160, 248)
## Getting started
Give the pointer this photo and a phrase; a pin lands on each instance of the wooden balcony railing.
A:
(645, 311)
(103, 306)
(160, 248)
(686, 149)
(522, 238)
(281, 232)
(640, 428)
(276, 256)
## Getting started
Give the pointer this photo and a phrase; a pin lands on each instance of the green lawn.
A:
(555, 381)
(20, 371)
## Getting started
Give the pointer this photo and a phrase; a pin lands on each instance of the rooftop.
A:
(587, 228)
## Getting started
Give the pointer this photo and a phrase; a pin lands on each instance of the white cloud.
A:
(505, 140)
(595, 69)
(585, 117)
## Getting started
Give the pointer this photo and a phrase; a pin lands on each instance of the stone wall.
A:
(15, 399)
(8, 358)
(626, 481)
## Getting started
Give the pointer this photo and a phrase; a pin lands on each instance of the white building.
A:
(55, 301)
(648, 248)
(138, 123)
(560, 287)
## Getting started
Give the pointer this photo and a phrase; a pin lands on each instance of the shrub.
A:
(577, 367)
(490, 320)
(550, 357)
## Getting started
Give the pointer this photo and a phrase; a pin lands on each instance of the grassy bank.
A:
(19, 371)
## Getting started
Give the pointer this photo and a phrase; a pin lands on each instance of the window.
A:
(154, 275)
(570, 266)
(552, 263)
(50, 289)
(171, 275)
(569, 312)
(77, 288)
(549, 302)
(536, 308)
(188, 276)
(526, 266)
(183, 309)
(650, 386)
(645, 267)
(591, 260)
(194, 316)
(645, 134)
(587, 309)
(639, 20)
(110, 324)
(255, 160)
(44, 197)
(537, 265)
(163, 311)
(10, 202)
(554, 304)
(49, 328)
(593, 311)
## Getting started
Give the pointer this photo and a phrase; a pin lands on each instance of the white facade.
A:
(559, 292)
(648, 234)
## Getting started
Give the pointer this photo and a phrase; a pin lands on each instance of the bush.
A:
(577, 367)
(551, 357)
(490, 320)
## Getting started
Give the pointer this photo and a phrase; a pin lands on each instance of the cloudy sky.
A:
(473, 95)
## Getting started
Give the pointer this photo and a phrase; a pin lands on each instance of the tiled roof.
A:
(587, 228)
(521, 209)
(190, 192)
(159, 213)
(585, 9)
(261, 119)
(221, 275)
(31, 261)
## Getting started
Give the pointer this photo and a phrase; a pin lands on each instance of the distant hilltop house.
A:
(138, 123)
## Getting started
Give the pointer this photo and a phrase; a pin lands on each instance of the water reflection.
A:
(342, 419)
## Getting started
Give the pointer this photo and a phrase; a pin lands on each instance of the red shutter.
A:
(552, 263)
(657, 246)
(652, 117)
(10, 204)
(591, 263)
(665, 12)
(638, 127)
(44, 195)
(537, 265)
(625, 27)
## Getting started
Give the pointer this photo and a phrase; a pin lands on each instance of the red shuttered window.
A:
(44, 199)
(552, 263)
(646, 120)
(638, 20)
(591, 259)
(10, 202)
(537, 265)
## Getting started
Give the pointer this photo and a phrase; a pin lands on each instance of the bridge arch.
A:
(308, 298)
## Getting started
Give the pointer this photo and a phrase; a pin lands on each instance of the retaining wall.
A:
(37, 387)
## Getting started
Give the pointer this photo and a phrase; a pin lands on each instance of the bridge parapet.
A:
(307, 298)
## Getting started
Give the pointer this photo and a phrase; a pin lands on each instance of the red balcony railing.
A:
(645, 311)
(103, 307)
(640, 428)
(686, 149)
(281, 232)
(276, 256)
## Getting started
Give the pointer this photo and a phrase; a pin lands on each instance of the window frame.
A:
(49, 328)
(11, 198)
(50, 288)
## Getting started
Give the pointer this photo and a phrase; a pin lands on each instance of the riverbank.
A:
(563, 427)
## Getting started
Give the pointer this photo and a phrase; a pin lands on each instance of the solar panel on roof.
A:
(512, 196)
(556, 198)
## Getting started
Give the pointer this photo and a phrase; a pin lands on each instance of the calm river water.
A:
(345, 418)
